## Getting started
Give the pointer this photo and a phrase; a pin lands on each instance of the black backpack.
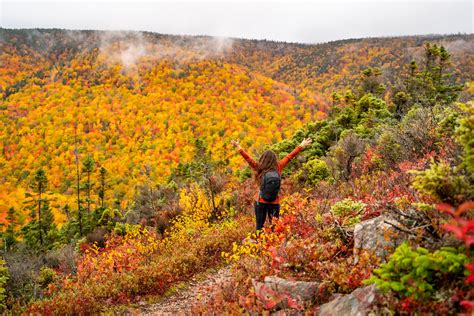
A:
(270, 186)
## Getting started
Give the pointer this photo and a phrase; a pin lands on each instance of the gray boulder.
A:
(300, 291)
(358, 303)
(277, 293)
(378, 237)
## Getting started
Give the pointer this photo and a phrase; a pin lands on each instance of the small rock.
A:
(358, 303)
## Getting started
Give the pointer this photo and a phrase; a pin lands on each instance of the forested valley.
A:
(119, 182)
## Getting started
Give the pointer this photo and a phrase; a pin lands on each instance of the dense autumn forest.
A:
(118, 180)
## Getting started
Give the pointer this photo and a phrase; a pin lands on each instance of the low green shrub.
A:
(465, 136)
(442, 182)
(46, 276)
(3, 282)
(313, 172)
(346, 207)
(418, 273)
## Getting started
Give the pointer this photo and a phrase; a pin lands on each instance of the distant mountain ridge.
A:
(312, 66)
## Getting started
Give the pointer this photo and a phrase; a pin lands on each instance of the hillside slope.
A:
(139, 100)
(133, 119)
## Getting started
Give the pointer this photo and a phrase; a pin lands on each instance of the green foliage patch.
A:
(419, 273)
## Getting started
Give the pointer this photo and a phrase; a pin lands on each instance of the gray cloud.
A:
(307, 22)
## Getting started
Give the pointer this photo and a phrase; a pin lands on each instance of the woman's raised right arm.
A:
(305, 143)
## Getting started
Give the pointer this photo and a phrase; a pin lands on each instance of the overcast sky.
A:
(292, 21)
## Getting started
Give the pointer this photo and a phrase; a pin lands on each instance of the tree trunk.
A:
(40, 189)
(214, 209)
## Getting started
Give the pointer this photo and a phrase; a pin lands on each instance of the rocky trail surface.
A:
(186, 295)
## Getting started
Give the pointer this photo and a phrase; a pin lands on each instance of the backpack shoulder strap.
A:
(262, 182)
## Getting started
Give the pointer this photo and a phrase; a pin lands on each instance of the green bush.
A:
(244, 174)
(448, 120)
(389, 148)
(124, 228)
(465, 136)
(46, 276)
(313, 171)
(442, 182)
(372, 113)
(347, 206)
(418, 273)
(3, 282)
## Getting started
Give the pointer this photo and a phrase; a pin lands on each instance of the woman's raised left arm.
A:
(253, 164)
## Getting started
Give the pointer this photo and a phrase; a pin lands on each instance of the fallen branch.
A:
(404, 230)
(393, 209)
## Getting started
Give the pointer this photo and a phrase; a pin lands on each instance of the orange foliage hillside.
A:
(137, 101)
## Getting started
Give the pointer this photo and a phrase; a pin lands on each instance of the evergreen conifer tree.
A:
(9, 236)
(88, 167)
(41, 230)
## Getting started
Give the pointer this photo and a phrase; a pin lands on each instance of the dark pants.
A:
(264, 209)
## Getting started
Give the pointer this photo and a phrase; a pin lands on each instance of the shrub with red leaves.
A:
(463, 229)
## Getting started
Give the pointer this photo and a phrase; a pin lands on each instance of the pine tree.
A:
(370, 81)
(40, 184)
(88, 167)
(47, 225)
(40, 231)
(433, 84)
(102, 183)
(67, 211)
(10, 233)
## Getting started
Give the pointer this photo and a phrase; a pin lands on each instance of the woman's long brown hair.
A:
(268, 161)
